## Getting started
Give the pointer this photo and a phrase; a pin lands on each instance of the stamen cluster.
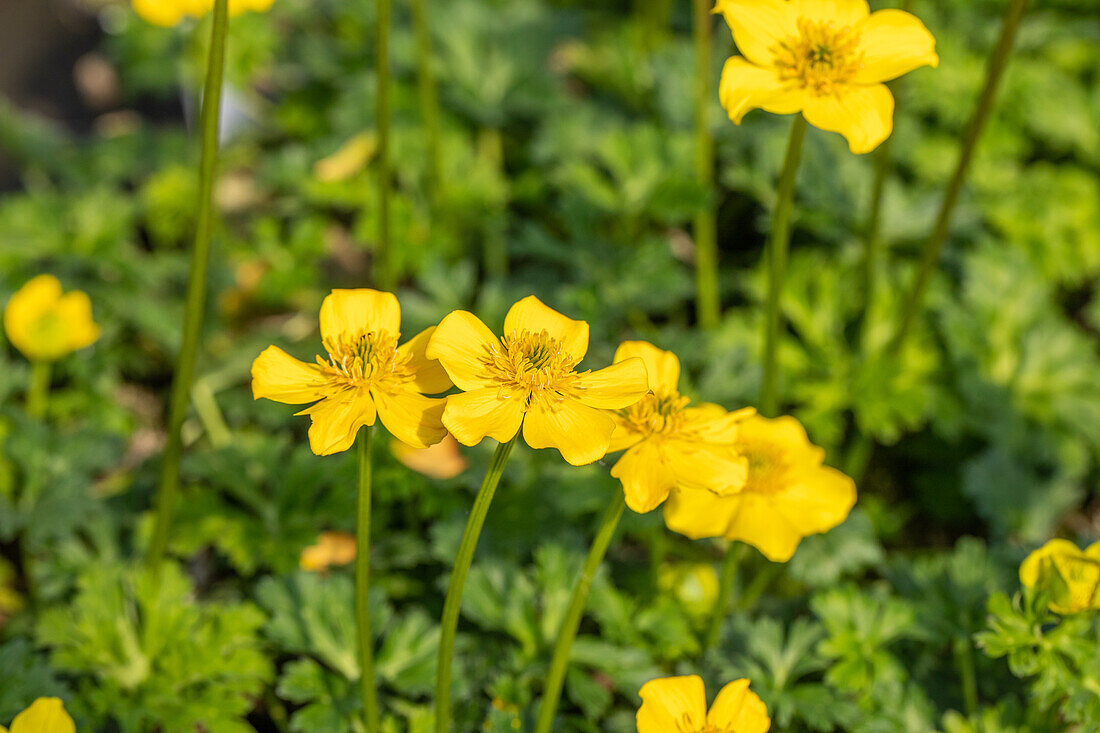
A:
(535, 366)
(364, 359)
(820, 58)
(655, 413)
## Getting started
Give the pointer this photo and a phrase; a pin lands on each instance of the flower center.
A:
(768, 467)
(655, 413)
(535, 366)
(364, 359)
(820, 57)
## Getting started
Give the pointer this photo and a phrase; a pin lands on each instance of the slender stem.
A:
(707, 303)
(429, 99)
(778, 242)
(872, 242)
(491, 147)
(196, 287)
(997, 64)
(759, 584)
(559, 663)
(453, 601)
(386, 274)
(38, 391)
(964, 660)
(362, 586)
(727, 579)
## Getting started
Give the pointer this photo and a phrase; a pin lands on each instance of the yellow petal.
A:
(337, 419)
(159, 12)
(623, 436)
(739, 709)
(75, 309)
(351, 312)
(332, 548)
(672, 704)
(45, 715)
(745, 86)
(817, 502)
(712, 423)
(459, 343)
(471, 416)
(443, 460)
(351, 158)
(429, 376)
(893, 43)
(756, 522)
(716, 467)
(758, 25)
(615, 387)
(646, 479)
(1029, 568)
(839, 12)
(276, 375)
(411, 417)
(864, 115)
(662, 366)
(531, 315)
(581, 433)
(699, 513)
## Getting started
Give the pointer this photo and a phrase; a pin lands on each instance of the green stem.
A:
(872, 242)
(778, 243)
(453, 602)
(362, 586)
(707, 303)
(997, 64)
(759, 584)
(559, 663)
(964, 660)
(38, 391)
(429, 99)
(386, 273)
(727, 580)
(196, 287)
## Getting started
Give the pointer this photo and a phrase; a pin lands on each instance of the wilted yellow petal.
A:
(352, 157)
(443, 460)
(332, 548)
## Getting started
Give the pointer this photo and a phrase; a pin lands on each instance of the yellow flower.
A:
(670, 444)
(827, 59)
(1070, 575)
(679, 705)
(169, 13)
(442, 460)
(46, 324)
(789, 494)
(366, 373)
(45, 715)
(529, 379)
(332, 548)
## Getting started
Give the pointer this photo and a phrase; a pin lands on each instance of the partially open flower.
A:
(1070, 575)
(679, 705)
(46, 324)
(45, 715)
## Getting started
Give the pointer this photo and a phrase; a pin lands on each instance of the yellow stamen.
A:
(533, 366)
(655, 413)
(365, 359)
(821, 57)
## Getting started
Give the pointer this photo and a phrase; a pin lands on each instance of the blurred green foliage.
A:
(567, 134)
